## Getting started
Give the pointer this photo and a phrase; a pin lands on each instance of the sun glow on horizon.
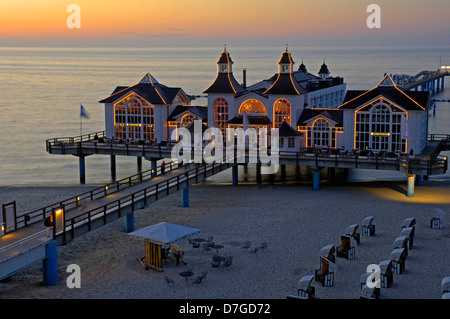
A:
(157, 19)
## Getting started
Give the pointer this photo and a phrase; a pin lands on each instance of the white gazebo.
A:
(157, 236)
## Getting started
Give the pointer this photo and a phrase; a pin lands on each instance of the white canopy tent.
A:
(159, 235)
(164, 233)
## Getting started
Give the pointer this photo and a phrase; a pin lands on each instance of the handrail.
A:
(96, 193)
(48, 232)
(164, 185)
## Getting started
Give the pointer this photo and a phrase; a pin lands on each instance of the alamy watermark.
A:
(374, 279)
(374, 19)
(257, 145)
(74, 279)
(74, 19)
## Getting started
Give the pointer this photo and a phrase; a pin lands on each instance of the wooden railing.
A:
(40, 214)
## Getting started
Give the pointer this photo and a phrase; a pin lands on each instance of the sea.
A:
(42, 90)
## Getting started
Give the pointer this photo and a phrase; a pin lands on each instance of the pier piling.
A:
(185, 197)
(50, 264)
(129, 223)
(410, 187)
(82, 166)
(113, 167)
(235, 175)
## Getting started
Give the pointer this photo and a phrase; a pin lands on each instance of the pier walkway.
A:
(26, 243)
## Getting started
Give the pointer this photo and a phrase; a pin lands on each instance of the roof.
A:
(191, 128)
(148, 88)
(164, 233)
(225, 83)
(225, 58)
(200, 111)
(286, 58)
(285, 84)
(286, 130)
(252, 120)
(409, 100)
(324, 69)
(335, 115)
(302, 68)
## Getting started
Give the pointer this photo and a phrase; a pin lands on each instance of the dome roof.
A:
(324, 69)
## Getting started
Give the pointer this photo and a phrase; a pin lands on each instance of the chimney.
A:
(244, 75)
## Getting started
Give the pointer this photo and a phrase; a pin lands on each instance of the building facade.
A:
(311, 111)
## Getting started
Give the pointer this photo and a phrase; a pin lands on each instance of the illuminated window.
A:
(252, 106)
(220, 112)
(379, 127)
(187, 119)
(281, 112)
(134, 118)
(321, 133)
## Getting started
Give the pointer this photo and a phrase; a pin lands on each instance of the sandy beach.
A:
(293, 219)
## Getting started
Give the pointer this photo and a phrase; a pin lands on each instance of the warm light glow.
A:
(59, 211)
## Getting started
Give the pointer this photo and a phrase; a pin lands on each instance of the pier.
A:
(432, 81)
(28, 240)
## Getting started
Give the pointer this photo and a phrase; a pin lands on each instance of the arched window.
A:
(252, 106)
(187, 119)
(220, 112)
(321, 133)
(281, 112)
(134, 118)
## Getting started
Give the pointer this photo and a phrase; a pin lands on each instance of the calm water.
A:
(42, 90)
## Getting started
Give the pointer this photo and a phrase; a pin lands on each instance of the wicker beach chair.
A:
(408, 222)
(367, 227)
(328, 252)
(398, 257)
(409, 232)
(347, 248)
(445, 285)
(401, 242)
(305, 290)
(352, 231)
(386, 273)
(369, 293)
(325, 274)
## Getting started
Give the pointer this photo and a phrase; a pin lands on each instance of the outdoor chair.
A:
(401, 242)
(228, 261)
(408, 222)
(369, 293)
(445, 285)
(177, 253)
(387, 275)
(197, 280)
(367, 227)
(409, 232)
(347, 248)
(206, 247)
(325, 275)
(328, 252)
(351, 231)
(398, 257)
(304, 288)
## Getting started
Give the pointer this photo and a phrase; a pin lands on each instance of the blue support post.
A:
(82, 166)
(442, 83)
(185, 197)
(129, 223)
(316, 179)
(419, 180)
(410, 188)
(235, 175)
(50, 264)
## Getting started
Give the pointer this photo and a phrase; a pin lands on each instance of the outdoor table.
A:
(186, 274)
(217, 247)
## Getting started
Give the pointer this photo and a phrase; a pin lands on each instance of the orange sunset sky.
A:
(28, 21)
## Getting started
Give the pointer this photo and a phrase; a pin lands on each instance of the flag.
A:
(83, 112)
